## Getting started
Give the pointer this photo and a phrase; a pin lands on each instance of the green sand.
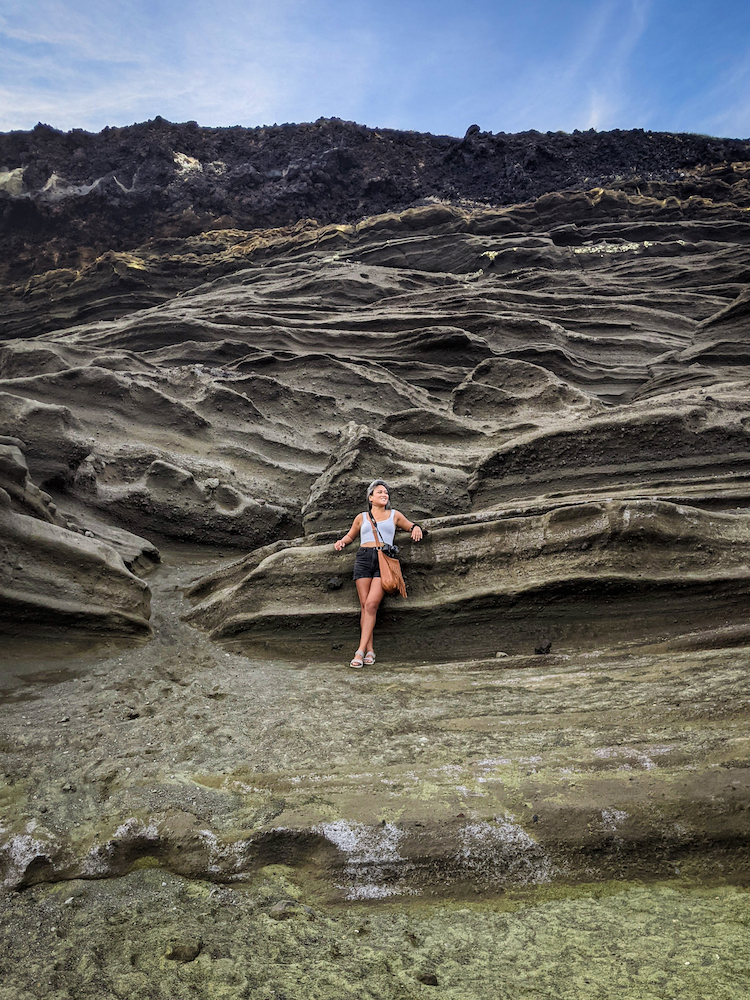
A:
(95, 940)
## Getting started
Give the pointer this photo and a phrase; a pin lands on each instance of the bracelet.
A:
(415, 525)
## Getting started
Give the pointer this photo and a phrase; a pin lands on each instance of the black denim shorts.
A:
(366, 564)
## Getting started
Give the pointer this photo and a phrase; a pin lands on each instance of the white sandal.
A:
(359, 660)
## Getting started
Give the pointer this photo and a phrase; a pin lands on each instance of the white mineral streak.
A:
(604, 247)
(502, 851)
(631, 756)
(612, 818)
(98, 861)
(376, 890)
(57, 188)
(96, 864)
(466, 792)
(489, 763)
(135, 829)
(369, 851)
(223, 856)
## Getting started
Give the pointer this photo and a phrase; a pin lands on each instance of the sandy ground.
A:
(155, 935)
(295, 828)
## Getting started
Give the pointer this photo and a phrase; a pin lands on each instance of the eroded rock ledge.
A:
(408, 779)
(579, 576)
(56, 575)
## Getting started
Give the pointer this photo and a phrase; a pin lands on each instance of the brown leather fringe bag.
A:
(391, 576)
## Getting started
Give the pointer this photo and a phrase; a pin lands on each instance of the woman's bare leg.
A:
(370, 593)
(363, 589)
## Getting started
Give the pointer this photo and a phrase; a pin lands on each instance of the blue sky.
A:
(430, 65)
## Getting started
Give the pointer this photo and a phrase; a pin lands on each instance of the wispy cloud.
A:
(583, 81)
(251, 62)
(612, 90)
(435, 65)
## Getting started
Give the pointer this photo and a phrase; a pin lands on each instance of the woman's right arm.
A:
(350, 535)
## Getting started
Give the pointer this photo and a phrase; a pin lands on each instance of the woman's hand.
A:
(416, 533)
(339, 545)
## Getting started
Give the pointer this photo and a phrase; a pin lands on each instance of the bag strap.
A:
(375, 528)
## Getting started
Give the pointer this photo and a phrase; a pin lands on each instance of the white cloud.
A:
(249, 62)
(601, 111)
(99, 32)
(589, 83)
(424, 64)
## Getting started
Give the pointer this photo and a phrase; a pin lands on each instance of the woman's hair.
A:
(371, 487)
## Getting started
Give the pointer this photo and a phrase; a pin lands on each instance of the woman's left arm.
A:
(410, 526)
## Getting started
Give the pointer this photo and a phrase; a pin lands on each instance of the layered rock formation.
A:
(580, 575)
(502, 362)
(57, 576)
(557, 389)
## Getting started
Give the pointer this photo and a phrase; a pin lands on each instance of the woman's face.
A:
(379, 496)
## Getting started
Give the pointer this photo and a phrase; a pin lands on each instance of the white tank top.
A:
(386, 530)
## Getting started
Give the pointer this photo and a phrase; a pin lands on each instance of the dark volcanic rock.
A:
(67, 197)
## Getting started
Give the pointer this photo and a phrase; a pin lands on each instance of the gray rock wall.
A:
(55, 576)
(500, 363)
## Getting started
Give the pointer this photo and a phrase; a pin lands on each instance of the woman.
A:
(366, 574)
